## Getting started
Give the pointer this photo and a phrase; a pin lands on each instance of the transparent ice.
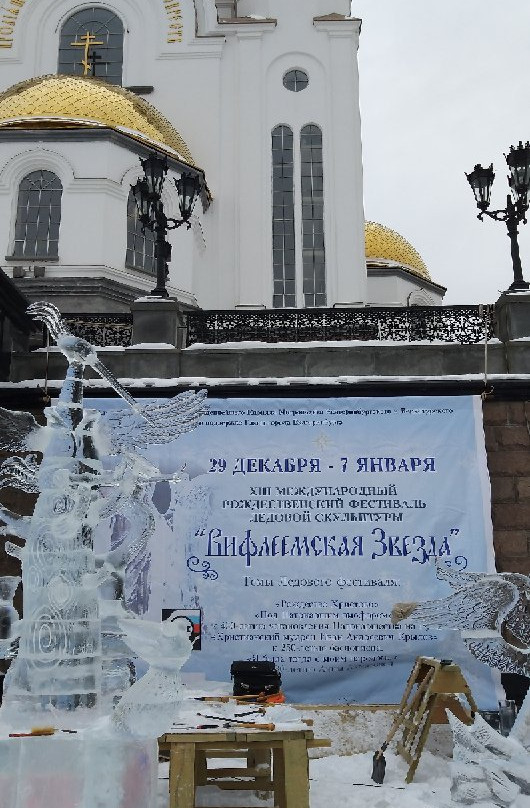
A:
(78, 633)
(492, 613)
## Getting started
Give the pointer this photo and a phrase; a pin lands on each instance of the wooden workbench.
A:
(274, 761)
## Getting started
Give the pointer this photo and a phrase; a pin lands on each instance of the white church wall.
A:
(397, 288)
(262, 55)
(223, 92)
(96, 178)
(269, 8)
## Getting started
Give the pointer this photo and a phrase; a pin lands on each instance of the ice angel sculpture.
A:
(492, 613)
(62, 652)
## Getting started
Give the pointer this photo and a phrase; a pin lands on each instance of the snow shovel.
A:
(379, 762)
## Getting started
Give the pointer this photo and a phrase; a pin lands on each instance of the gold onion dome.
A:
(385, 245)
(66, 102)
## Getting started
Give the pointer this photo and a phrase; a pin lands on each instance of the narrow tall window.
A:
(283, 243)
(38, 216)
(91, 44)
(140, 246)
(312, 183)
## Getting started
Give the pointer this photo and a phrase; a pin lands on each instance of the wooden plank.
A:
(240, 785)
(278, 776)
(234, 772)
(318, 742)
(206, 736)
(182, 776)
(296, 774)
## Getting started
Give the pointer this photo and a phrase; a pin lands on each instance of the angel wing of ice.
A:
(127, 429)
(20, 473)
(487, 767)
(457, 579)
(19, 431)
(497, 653)
(482, 604)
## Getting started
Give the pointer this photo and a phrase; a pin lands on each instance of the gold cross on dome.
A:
(86, 41)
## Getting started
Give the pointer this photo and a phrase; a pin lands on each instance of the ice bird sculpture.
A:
(491, 611)
(78, 351)
(61, 655)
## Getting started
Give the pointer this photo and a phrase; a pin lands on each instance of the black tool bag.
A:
(254, 678)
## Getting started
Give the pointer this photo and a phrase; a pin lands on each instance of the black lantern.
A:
(481, 181)
(142, 198)
(518, 160)
(188, 188)
(147, 194)
(155, 170)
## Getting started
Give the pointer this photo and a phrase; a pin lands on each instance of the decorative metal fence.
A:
(101, 329)
(462, 324)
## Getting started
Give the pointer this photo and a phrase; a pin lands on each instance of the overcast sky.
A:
(445, 84)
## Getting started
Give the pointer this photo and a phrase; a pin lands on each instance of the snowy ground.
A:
(344, 782)
(340, 775)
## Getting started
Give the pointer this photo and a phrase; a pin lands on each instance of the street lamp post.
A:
(147, 194)
(481, 182)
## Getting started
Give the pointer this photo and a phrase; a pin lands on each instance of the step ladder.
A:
(431, 689)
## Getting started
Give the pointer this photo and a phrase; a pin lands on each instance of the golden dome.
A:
(64, 102)
(385, 245)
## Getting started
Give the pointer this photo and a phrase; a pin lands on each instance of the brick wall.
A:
(507, 428)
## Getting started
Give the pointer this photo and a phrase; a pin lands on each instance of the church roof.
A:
(65, 102)
(385, 245)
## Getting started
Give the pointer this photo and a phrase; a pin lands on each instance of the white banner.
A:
(297, 525)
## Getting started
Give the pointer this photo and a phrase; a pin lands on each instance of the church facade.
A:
(259, 97)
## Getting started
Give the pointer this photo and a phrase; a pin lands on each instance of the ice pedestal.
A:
(87, 771)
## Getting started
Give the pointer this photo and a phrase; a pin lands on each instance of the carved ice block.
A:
(77, 772)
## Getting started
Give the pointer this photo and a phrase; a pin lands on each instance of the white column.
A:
(251, 263)
(343, 203)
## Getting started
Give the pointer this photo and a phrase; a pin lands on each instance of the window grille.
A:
(283, 241)
(312, 185)
(295, 80)
(140, 245)
(38, 216)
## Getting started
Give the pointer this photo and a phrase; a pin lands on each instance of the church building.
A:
(183, 179)
(258, 100)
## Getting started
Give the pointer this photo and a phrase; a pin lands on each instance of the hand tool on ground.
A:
(37, 731)
(249, 725)
(235, 722)
(235, 717)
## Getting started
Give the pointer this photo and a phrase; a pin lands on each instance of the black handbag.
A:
(255, 678)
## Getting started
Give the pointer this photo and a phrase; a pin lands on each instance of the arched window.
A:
(312, 182)
(140, 246)
(38, 216)
(91, 44)
(283, 242)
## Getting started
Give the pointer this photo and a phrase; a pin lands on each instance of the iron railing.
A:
(101, 329)
(461, 324)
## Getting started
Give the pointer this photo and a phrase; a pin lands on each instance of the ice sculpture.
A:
(150, 706)
(491, 611)
(8, 613)
(487, 769)
(73, 640)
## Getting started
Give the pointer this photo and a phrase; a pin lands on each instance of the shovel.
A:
(379, 762)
